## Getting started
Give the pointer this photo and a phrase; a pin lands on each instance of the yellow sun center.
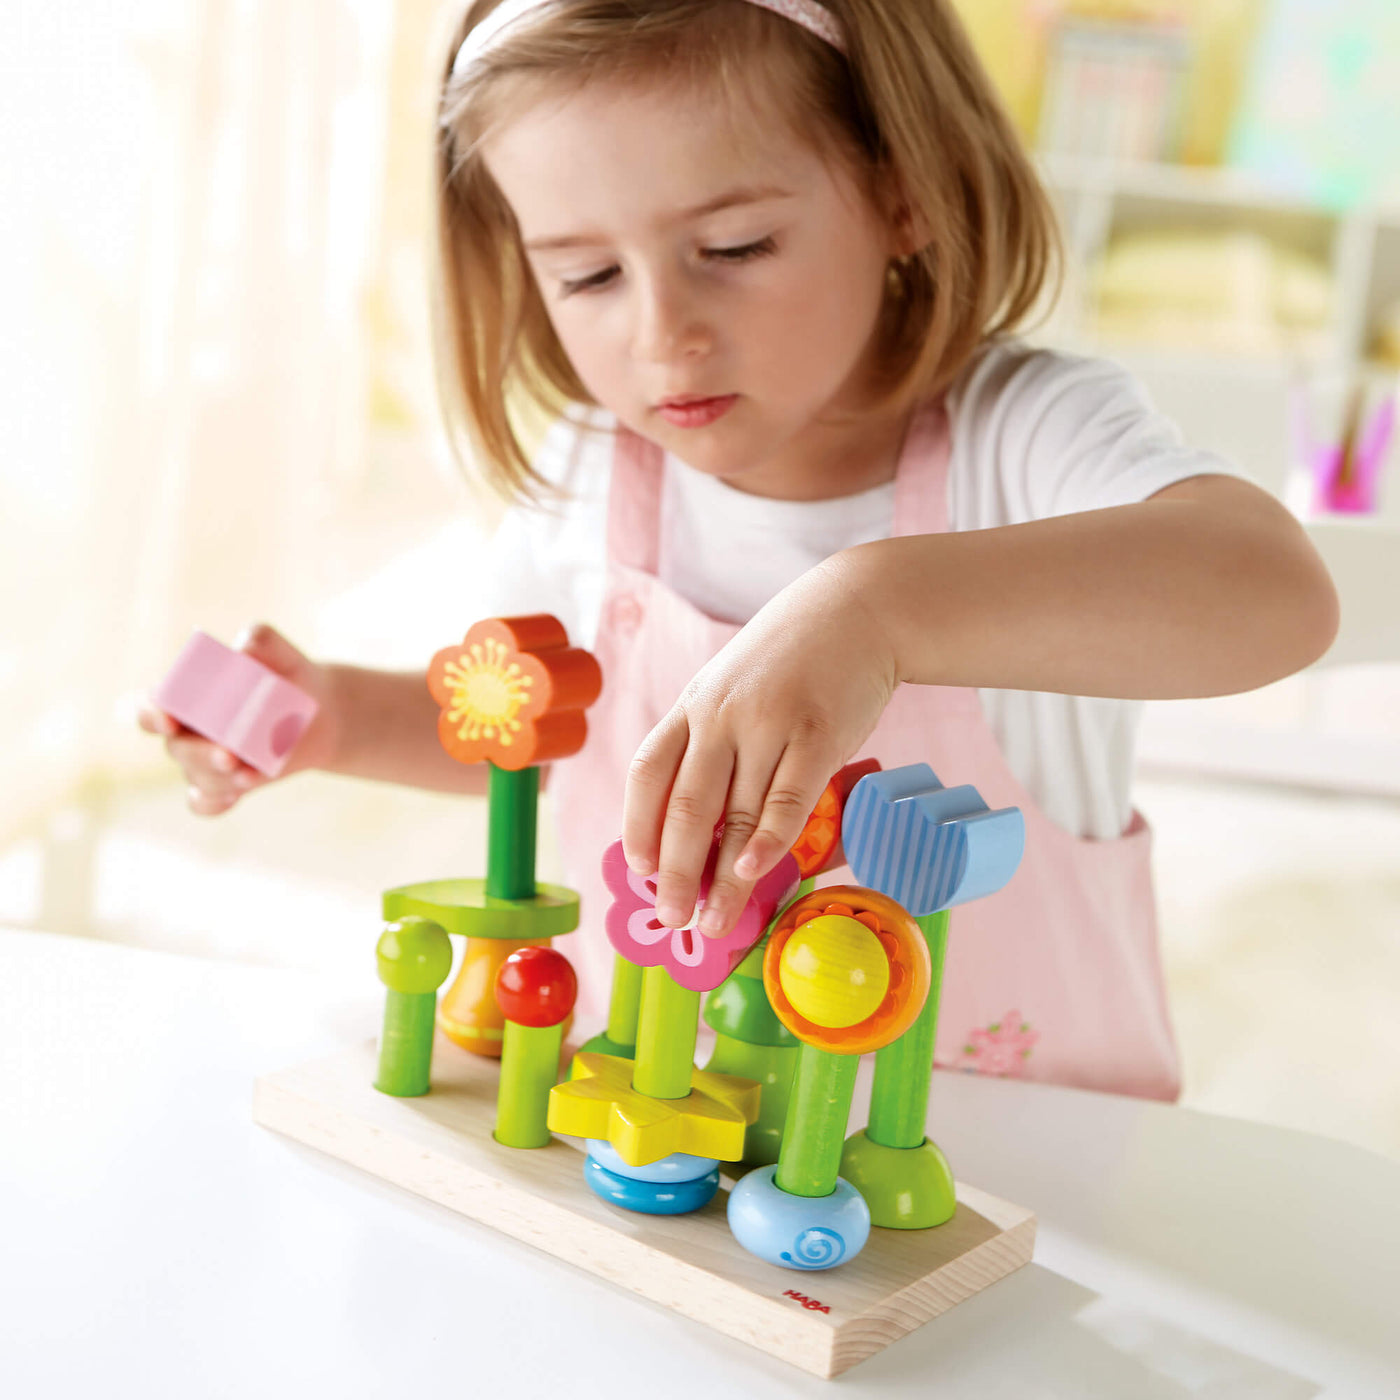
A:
(834, 971)
(488, 692)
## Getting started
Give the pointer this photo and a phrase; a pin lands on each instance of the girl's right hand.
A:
(216, 778)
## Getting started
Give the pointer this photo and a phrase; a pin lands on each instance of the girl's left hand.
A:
(752, 741)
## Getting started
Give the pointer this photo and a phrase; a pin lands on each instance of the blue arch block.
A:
(928, 846)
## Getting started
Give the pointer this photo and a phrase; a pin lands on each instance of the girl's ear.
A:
(909, 229)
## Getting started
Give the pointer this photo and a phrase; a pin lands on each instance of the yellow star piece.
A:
(599, 1102)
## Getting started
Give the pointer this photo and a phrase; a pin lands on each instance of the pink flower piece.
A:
(1001, 1048)
(693, 960)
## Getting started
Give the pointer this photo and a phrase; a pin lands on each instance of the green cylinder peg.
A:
(666, 1027)
(815, 1132)
(620, 1037)
(414, 957)
(512, 808)
(529, 1069)
(904, 1068)
(625, 1004)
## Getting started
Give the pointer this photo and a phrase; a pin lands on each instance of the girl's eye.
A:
(744, 253)
(760, 249)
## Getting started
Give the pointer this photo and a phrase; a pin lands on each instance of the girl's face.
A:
(686, 251)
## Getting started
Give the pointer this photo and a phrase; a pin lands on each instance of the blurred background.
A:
(218, 399)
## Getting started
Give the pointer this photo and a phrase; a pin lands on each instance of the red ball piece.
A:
(536, 987)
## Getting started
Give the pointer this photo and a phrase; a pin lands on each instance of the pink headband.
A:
(814, 18)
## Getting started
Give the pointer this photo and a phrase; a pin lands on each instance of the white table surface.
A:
(154, 1242)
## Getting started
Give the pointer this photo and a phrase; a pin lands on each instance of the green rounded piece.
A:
(463, 907)
(906, 1188)
(739, 1007)
(415, 956)
(771, 1066)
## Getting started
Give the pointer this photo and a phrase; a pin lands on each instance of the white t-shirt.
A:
(1035, 433)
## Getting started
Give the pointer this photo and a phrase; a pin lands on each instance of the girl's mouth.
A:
(697, 413)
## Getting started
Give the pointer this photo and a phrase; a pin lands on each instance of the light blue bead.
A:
(650, 1197)
(798, 1232)
(679, 1166)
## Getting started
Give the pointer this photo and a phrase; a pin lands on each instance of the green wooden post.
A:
(752, 1043)
(814, 1135)
(666, 1026)
(513, 804)
(904, 1068)
(414, 957)
(529, 1069)
(625, 1004)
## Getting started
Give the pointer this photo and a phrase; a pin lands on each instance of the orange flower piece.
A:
(903, 942)
(819, 846)
(513, 692)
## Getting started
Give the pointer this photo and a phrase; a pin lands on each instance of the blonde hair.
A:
(909, 110)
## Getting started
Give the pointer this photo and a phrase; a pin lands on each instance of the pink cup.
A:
(235, 702)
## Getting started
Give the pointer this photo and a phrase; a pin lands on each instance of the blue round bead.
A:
(798, 1232)
(679, 1166)
(650, 1197)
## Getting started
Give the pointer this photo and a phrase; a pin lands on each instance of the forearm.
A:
(1171, 598)
(387, 730)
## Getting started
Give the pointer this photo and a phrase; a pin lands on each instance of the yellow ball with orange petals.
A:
(841, 990)
(834, 971)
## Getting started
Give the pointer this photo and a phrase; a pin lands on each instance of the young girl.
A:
(805, 498)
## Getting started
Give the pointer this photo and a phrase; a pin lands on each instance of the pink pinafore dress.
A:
(1056, 977)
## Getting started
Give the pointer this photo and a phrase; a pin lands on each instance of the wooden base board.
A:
(440, 1146)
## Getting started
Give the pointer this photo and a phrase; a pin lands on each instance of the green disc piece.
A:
(463, 907)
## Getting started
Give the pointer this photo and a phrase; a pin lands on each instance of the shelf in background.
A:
(1337, 726)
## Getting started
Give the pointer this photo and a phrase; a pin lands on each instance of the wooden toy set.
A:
(616, 1158)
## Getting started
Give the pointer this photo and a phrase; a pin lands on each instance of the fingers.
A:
(157, 722)
(729, 893)
(215, 778)
(266, 644)
(801, 774)
(695, 808)
(682, 783)
(649, 779)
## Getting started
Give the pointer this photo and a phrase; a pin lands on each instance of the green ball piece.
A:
(739, 1007)
(415, 955)
(602, 1045)
(906, 1188)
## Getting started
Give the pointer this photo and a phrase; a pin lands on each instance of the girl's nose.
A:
(669, 324)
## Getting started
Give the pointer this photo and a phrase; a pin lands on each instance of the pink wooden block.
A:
(235, 702)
